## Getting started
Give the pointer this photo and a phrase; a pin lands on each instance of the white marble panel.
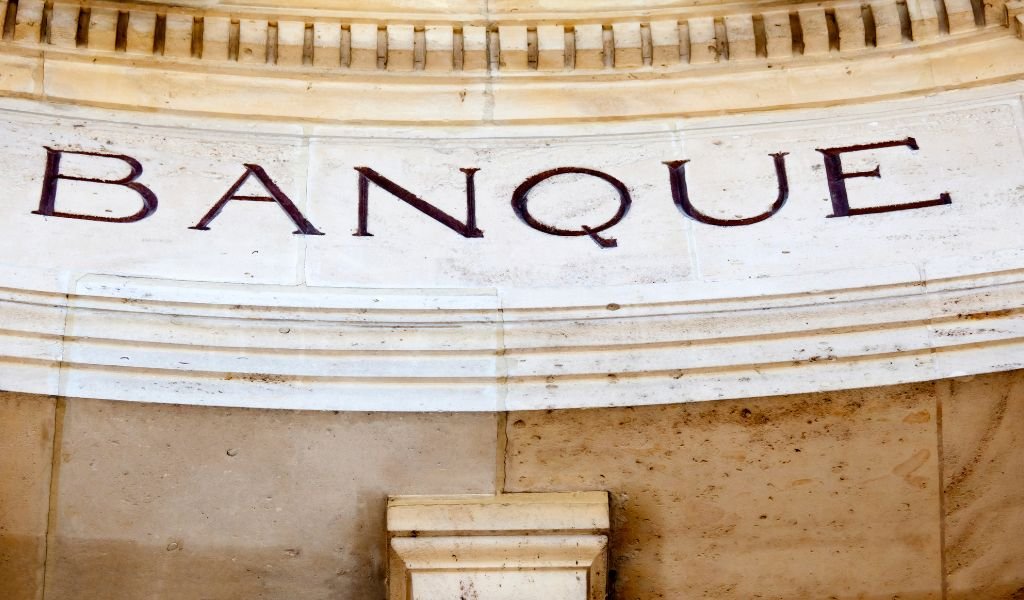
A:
(408, 248)
(426, 315)
(969, 153)
(187, 170)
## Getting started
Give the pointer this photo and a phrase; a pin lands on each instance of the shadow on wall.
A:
(855, 494)
(818, 496)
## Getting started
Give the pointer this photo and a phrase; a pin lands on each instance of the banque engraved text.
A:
(600, 233)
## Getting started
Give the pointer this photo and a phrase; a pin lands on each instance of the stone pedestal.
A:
(505, 547)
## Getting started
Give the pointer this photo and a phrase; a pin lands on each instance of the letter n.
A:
(467, 229)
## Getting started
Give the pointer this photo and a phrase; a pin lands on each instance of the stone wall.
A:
(910, 492)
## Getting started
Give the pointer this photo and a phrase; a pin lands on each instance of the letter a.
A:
(276, 195)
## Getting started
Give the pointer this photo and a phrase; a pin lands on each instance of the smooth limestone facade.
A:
(909, 491)
(495, 299)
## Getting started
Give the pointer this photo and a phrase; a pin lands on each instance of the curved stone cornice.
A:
(418, 317)
(336, 64)
(399, 350)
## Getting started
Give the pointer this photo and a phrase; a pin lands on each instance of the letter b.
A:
(48, 197)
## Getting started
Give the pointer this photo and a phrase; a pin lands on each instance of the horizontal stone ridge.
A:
(478, 47)
(539, 513)
(159, 342)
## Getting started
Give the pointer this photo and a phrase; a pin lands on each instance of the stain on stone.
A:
(754, 498)
(27, 425)
(302, 516)
(982, 429)
(907, 468)
(256, 377)
(21, 565)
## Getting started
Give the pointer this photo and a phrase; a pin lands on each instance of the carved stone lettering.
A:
(48, 197)
(467, 229)
(837, 181)
(520, 199)
(680, 195)
(276, 195)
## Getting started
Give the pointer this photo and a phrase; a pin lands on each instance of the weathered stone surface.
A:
(983, 464)
(163, 501)
(811, 496)
(26, 447)
(501, 547)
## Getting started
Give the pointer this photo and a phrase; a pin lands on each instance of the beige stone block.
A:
(252, 41)
(364, 46)
(815, 31)
(291, 40)
(64, 25)
(334, 99)
(26, 448)
(888, 30)
(326, 44)
(739, 30)
(994, 11)
(141, 32)
(1012, 10)
(924, 19)
(474, 48)
(440, 48)
(769, 497)
(703, 41)
(628, 45)
(553, 567)
(440, 515)
(28, 21)
(850, 22)
(499, 547)
(513, 48)
(103, 28)
(589, 46)
(972, 68)
(664, 43)
(960, 14)
(22, 75)
(216, 38)
(550, 47)
(237, 503)
(178, 35)
(1018, 25)
(778, 35)
(401, 47)
(982, 441)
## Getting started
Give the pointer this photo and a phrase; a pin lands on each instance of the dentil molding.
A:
(449, 63)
